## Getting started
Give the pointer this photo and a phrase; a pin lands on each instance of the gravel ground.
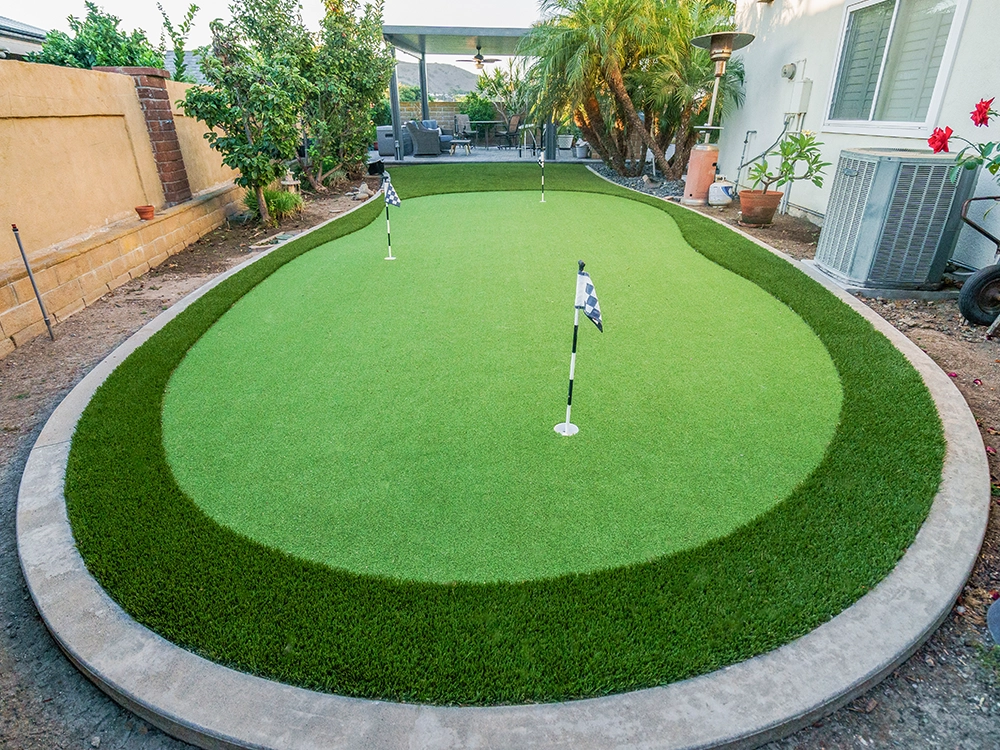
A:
(645, 184)
(945, 696)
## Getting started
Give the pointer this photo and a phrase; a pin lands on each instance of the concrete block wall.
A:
(443, 112)
(81, 274)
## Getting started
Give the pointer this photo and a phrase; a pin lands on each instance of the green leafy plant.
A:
(626, 74)
(505, 87)
(254, 104)
(478, 107)
(973, 155)
(382, 112)
(178, 38)
(280, 203)
(799, 159)
(348, 73)
(409, 93)
(97, 41)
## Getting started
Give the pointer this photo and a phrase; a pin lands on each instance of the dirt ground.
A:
(945, 696)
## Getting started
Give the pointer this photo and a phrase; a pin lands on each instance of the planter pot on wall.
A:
(145, 212)
(565, 141)
(758, 207)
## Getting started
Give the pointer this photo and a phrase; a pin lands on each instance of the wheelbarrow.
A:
(979, 299)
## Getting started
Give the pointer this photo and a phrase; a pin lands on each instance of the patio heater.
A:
(705, 156)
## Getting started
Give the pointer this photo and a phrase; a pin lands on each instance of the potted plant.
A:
(564, 137)
(799, 156)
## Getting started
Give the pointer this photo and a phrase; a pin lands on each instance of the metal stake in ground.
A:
(38, 296)
(541, 163)
(391, 199)
(586, 300)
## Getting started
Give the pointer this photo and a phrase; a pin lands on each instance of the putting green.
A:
(395, 418)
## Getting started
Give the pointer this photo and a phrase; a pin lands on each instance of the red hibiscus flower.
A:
(981, 114)
(939, 140)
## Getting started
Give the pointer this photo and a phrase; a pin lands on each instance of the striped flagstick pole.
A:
(391, 199)
(388, 233)
(567, 428)
(541, 163)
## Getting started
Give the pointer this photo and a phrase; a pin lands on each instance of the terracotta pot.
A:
(758, 207)
(145, 212)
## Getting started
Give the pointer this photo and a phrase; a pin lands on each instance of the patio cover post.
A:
(397, 124)
(549, 139)
(425, 108)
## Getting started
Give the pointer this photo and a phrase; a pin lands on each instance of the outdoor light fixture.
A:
(705, 156)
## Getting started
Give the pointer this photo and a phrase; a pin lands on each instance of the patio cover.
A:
(421, 41)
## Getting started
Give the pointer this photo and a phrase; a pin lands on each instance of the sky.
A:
(51, 14)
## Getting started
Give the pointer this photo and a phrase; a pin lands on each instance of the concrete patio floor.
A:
(482, 154)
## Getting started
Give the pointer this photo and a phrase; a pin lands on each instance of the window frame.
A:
(886, 127)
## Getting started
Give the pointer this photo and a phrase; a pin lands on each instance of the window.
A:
(891, 55)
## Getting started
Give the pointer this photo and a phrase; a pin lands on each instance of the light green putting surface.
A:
(395, 418)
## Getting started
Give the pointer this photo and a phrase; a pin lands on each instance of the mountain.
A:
(443, 81)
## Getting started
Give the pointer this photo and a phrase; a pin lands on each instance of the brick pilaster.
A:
(151, 88)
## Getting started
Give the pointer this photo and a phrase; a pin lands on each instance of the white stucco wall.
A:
(807, 33)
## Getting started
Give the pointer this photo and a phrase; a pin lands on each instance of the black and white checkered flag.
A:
(586, 299)
(391, 199)
(541, 159)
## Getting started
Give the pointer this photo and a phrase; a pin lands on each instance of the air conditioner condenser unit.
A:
(893, 218)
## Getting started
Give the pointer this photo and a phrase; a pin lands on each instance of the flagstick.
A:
(567, 428)
(543, 190)
(388, 233)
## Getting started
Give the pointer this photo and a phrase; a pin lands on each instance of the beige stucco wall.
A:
(205, 169)
(808, 33)
(75, 161)
(75, 154)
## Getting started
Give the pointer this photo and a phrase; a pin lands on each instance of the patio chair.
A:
(425, 142)
(512, 133)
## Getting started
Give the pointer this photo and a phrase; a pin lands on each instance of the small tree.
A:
(97, 41)
(505, 88)
(409, 93)
(178, 37)
(349, 74)
(257, 93)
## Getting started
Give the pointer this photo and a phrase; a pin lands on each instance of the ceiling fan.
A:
(479, 60)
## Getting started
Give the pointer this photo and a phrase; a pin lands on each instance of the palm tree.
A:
(680, 77)
(604, 62)
(574, 50)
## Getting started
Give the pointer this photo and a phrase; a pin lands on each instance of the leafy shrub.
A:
(97, 41)
(280, 204)
(478, 107)
(382, 113)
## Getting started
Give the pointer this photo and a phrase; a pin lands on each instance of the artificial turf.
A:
(261, 610)
(396, 418)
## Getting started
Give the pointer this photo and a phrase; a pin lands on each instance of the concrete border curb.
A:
(740, 706)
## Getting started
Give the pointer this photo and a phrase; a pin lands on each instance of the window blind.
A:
(914, 59)
(860, 61)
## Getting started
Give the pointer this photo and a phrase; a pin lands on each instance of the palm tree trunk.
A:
(612, 153)
(617, 83)
(685, 140)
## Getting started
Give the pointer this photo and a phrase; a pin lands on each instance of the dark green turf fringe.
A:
(262, 611)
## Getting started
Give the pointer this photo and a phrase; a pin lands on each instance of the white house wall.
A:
(807, 33)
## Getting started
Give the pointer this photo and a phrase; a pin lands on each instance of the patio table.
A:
(490, 124)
